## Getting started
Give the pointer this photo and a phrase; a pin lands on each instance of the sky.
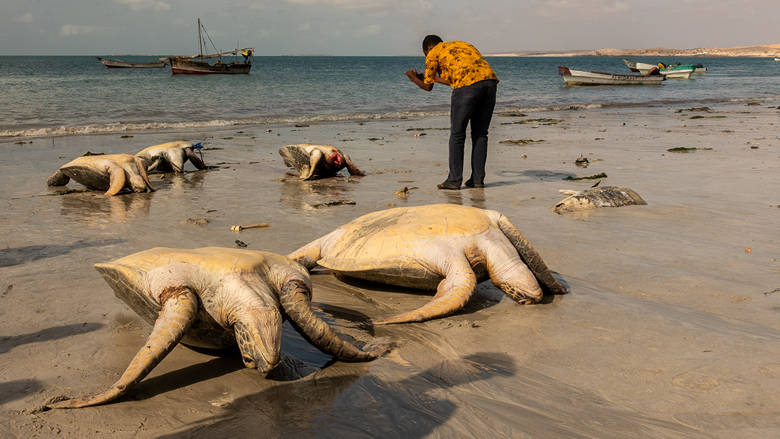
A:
(378, 27)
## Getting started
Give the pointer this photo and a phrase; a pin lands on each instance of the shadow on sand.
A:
(22, 255)
(56, 332)
(353, 406)
(17, 389)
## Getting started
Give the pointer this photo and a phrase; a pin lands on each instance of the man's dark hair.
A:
(430, 41)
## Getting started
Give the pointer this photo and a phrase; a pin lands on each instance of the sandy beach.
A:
(670, 328)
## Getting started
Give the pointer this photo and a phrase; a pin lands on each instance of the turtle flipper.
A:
(451, 295)
(295, 297)
(314, 159)
(58, 179)
(117, 180)
(531, 257)
(142, 170)
(194, 158)
(351, 167)
(308, 255)
(509, 273)
(177, 313)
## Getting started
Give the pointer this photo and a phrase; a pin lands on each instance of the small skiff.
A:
(580, 77)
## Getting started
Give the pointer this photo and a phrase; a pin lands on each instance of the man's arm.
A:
(412, 74)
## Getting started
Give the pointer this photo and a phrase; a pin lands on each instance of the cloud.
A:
(139, 5)
(69, 30)
(304, 27)
(371, 29)
(345, 4)
(24, 18)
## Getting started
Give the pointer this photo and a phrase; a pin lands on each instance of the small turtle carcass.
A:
(171, 156)
(317, 161)
(595, 197)
(109, 172)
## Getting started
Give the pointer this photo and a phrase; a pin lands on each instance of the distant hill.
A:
(765, 51)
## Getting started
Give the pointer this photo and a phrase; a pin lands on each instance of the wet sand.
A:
(670, 329)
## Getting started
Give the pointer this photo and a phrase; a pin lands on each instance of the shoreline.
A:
(10, 136)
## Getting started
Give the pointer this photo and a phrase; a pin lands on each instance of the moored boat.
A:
(119, 64)
(198, 64)
(639, 67)
(580, 77)
(679, 71)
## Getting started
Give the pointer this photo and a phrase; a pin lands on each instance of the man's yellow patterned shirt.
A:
(458, 63)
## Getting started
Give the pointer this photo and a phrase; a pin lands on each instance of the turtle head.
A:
(137, 183)
(259, 336)
(335, 159)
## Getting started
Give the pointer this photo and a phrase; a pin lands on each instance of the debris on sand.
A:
(776, 290)
(240, 243)
(89, 153)
(403, 193)
(695, 109)
(22, 142)
(420, 134)
(126, 136)
(598, 197)
(250, 226)
(520, 141)
(582, 162)
(70, 191)
(589, 177)
(699, 116)
(683, 149)
(196, 221)
(512, 114)
(425, 129)
(329, 204)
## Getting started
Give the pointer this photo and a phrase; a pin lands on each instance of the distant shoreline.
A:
(765, 51)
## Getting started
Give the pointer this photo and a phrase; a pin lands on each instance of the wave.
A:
(123, 127)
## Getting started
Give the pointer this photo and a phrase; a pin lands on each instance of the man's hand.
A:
(413, 76)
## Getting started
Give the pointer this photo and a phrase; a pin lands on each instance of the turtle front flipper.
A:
(194, 158)
(117, 180)
(177, 313)
(295, 297)
(314, 159)
(508, 271)
(142, 170)
(452, 294)
(351, 167)
(531, 257)
(58, 179)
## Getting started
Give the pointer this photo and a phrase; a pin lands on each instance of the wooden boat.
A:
(119, 64)
(639, 67)
(678, 71)
(580, 77)
(199, 64)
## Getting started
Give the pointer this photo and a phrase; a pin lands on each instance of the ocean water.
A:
(62, 95)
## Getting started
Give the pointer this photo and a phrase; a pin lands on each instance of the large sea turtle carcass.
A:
(317, 161)
(447, 248)
(216, 298)
(109, 172)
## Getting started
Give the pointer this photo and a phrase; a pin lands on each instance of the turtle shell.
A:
(91, 170)
(392, 245)
(130, 278)
(593, 198)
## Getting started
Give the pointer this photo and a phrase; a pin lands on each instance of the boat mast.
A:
(200, 41)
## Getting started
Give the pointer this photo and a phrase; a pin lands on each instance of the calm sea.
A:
(63, 95)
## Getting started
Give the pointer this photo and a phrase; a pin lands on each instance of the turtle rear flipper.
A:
(176, 315)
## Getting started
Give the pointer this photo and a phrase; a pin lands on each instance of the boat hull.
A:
(189, 67)
(580, 77)
(116, 64)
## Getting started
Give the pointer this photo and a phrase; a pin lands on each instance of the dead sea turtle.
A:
(109, 172)
(171, 156)
(442, 247)
(594, 197)
(214, 298)
(317, 161)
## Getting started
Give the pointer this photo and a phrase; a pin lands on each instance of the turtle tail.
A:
(531, 257)
(295, 297)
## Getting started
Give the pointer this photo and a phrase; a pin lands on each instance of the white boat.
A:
(777, 59)
(677, 73)
(640, 67)
(580, 77)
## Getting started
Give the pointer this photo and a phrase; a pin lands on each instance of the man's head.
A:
(429, 42)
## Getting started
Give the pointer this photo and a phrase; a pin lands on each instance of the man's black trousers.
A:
(473, 103)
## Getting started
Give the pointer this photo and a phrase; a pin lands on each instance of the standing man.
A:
(461, 66)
